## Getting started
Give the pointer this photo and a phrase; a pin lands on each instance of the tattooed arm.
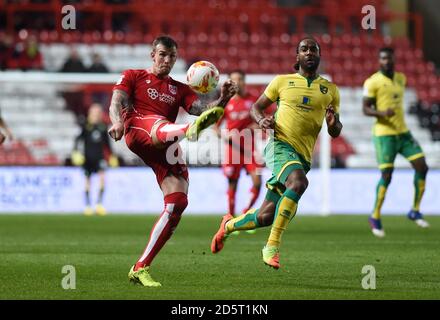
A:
(119, 101)
(8, 132)
(229, 88)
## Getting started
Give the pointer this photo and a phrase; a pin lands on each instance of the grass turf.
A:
(321, 258)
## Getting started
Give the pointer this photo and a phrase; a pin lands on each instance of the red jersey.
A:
(150, 95)
(238, 112)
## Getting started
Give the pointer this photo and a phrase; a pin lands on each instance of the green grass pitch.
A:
(321, 258)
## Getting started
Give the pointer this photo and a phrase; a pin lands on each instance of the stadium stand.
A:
(261, 40)
(43, 127)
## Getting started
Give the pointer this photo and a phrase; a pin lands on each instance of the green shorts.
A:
(282, 159)
(387, 148)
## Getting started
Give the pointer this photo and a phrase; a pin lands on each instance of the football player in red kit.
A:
(144, 107)
(240, 148)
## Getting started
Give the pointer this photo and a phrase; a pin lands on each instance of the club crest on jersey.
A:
(147, 81)
(323, 89)
(172, 88)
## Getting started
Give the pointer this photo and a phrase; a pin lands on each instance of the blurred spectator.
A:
(13, 60)
(31, 57)
(5, 132)
(97, 65)
(73, 63)
(6, 50)
(24, 56)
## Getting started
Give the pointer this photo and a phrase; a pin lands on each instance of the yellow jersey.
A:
(301, 109)
(388, 93)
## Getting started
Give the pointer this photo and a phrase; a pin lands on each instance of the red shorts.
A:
(236, 159)
(164, 161)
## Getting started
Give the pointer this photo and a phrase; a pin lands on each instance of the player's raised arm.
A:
(264, 121)
(228, 90)
(119, 100)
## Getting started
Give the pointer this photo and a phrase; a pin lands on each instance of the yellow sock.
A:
(381, 190)
(419, 190)
(245, 221)
(285, 211)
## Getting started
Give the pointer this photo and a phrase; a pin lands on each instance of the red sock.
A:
(254, 196)
(167, 132)
(175, 203)
(231, 201)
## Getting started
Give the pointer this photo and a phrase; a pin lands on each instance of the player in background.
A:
(144, 107)
(239, 143)
(304, 100)
(5, 132)
(95, 141)
(383, 99)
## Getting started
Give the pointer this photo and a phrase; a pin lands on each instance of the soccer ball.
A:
(202, 76)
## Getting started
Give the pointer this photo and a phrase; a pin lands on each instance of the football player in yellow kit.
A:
(304, 100)
(383, 99)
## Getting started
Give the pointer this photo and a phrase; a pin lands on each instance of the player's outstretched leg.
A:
(142, 276)
(250, 211)
(229, 225)
(221, 235)
(255, 191)
(285, 211)
(207, 118)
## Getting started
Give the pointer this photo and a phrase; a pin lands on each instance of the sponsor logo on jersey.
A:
(305, 104)
(306, 100)
(239, 115)
(152, 93)
(291, 83)
(167, 98)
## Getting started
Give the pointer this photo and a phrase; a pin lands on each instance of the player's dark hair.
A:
(296, 65)
(239, 71)
(386, 50)
(166, 41)
(307, 38)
